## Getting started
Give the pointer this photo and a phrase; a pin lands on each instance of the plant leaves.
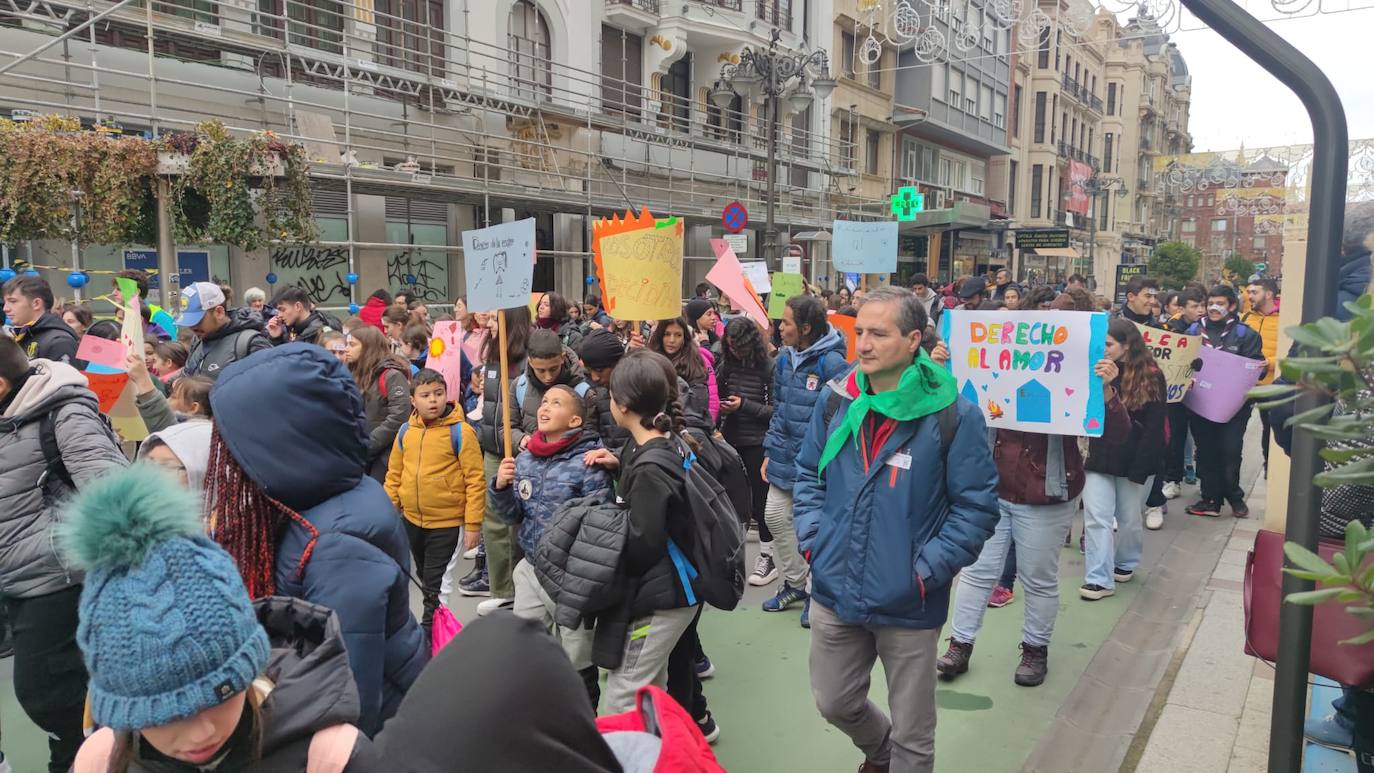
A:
(1269, 391)
(1303, 574)
(1310, 415)
(1309, 336)
(1364, 638)
(1314, 596)
(1276, 403)
(1305, 559)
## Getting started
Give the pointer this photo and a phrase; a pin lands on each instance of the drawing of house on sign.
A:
(969, 392)
(1033, 402)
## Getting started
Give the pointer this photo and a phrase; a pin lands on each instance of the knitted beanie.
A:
(695, 308)
(601, 349)
(167, 629)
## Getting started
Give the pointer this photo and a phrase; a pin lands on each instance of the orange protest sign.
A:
(845, 325)
(107, 388)
(639, 264)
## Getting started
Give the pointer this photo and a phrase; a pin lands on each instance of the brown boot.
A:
(955, 660)
(1035, 663)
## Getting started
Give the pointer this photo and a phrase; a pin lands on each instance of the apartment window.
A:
(846, 144)
(1093, 88)
(1257, 242)
(1073, 133)
(970, 95)
(875, 73)
(1089, 147)
(847, 53)
(1016, 111)
(1111, 99)
(677, 94)
(1039, 135)
(872, 141)
(727, 124)
(1107, 152)
(1219, 225)
(316, 24)
(1011, 189)
(955, 82)
(402, 28)
(622, 70)
(999, 111)
(1037, 186)
(527, 33)
(987, 104)
(959, 178)
(944, 171)
(937, 82)
(1042, 55)
(1189, 226)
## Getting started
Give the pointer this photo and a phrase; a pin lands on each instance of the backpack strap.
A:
(455, 439)
(401, 434)
(331, 749)
(582, 388)
(948, 419)
(242, 340)
(522, 385)
(52, 453)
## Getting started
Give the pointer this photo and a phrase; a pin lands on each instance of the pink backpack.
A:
(444, 627)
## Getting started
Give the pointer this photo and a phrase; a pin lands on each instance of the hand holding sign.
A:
(500, 265)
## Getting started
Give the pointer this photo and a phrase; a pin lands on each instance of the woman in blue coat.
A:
(812, 354)
(291, 501)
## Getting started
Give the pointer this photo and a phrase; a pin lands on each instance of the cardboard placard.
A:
(784, 286)
(1030, 370)
(107, 387)
(1221, 384)
(639, 264)
(757, 271)
(1174, 354)
(729, 278)
(446, 356)
(864, 248)
(101, 355)
(499, 263)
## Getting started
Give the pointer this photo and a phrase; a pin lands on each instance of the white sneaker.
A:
(491, 605)
(471, 554)
(1172, 489)
(1154, 518)
(765, 571)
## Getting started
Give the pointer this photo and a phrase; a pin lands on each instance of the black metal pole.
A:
(1325, 215)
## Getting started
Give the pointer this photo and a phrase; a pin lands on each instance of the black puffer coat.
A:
(1141, 453)
(490, 434)
(746, 427)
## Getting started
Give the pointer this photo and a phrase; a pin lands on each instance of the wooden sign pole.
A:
(505, 381)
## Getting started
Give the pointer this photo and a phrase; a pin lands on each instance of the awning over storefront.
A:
(1056, 252)
(964, 214)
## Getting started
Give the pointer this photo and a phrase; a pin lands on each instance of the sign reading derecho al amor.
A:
(1030, 370)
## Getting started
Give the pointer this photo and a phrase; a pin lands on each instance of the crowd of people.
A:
(306, 498)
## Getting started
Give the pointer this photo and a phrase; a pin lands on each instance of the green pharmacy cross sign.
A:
(906, 202)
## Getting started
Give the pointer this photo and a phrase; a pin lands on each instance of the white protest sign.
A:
(865, 248)
(1030, 370)
(791, 264)
(499, 264)
(757, 272)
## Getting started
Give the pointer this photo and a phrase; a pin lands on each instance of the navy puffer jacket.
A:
(307, 448)
(798, 379)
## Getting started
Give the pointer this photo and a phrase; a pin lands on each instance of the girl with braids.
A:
(383, 379)
(644, 401)
(746, 384)
(674, 339)
(289, 498)
(1119, 473)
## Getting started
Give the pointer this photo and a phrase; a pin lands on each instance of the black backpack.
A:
(711, 566)
(723, 463)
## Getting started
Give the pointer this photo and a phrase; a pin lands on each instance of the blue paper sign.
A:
(865, 248)
(499, 265)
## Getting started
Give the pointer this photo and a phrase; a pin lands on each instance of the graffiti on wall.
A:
(426, 275)
(321, 271)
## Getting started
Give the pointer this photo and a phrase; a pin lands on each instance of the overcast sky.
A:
(1236, 101)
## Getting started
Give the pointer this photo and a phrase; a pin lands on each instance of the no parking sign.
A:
(734, 217)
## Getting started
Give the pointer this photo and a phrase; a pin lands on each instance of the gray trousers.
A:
(533, 603)
(777, 513)
(647, 646)
(842, 657)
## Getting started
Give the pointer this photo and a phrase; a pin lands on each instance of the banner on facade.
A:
(1221, 384)
(1077, 198)
(729, 278)
(1174, 354)
(1030, 370)
(639, 264)
(864, 248)
(499, 265)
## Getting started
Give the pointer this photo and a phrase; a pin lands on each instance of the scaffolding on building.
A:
(398, 105)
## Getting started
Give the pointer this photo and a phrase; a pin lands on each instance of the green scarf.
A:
(924, 388)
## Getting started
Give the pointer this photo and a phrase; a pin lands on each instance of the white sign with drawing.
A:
(865, 248)
(499, 263)
(757, 271)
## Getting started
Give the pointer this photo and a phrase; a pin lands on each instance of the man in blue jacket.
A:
(896, 492)
(813, 353)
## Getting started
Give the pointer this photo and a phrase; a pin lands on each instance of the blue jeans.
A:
(1038, 533)
(1107, 498)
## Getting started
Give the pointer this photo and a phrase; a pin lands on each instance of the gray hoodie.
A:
(190, 442)
(29, 491)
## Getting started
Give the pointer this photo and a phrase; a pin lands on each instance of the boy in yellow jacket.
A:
(434, 478)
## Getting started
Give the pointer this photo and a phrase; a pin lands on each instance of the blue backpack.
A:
(522, 385)
(455, 436)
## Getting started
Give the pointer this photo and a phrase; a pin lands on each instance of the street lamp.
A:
(769, 73)
(1093, 186)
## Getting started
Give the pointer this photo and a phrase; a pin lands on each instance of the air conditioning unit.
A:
(941, 199)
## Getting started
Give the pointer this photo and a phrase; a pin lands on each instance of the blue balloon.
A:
(32, 272)
(410, 279)
(6, 274)
(271, 278)
(591, 280)
(353, 307)
(77, 279)
(352, 279)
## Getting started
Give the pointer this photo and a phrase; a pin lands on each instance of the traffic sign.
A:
(906, 202)
(734, 217)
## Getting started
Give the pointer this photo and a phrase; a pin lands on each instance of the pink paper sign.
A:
(446, 356)
(101, 351)
(1220, 385)
(729, 277)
